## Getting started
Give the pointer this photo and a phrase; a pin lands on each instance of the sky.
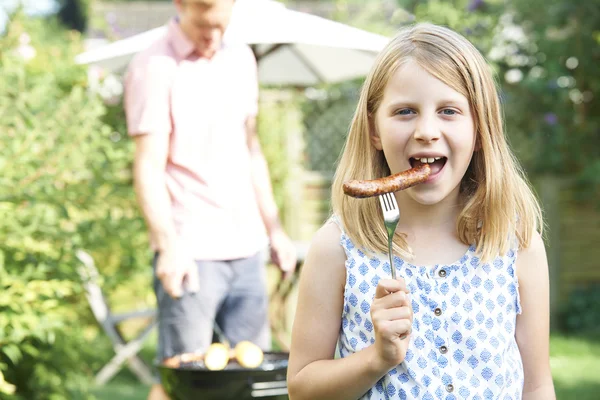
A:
(34, 7)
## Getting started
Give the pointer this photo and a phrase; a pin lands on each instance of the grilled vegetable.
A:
(248, 355)
(216, 357)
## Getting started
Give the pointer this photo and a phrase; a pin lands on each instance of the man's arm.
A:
(147, 108)
(148, 114)
(283, 252)
(151, 153)
(173, 264)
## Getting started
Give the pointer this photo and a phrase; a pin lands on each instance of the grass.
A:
(575, 363)
(122, 389)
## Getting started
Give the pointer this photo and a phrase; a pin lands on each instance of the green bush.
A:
(579, 314)
(66, 184)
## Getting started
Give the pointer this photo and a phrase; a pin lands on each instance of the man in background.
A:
(191, 101)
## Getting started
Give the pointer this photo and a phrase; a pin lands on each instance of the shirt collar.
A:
(180, 42)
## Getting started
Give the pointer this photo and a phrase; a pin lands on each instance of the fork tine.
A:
(382, 202)
(393, 202)
(388, 202)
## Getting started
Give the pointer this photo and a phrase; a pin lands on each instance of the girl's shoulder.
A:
(325, 260)
(532, 259)
(326, 243)
(332, 230)
(342, 237)
(334, 219)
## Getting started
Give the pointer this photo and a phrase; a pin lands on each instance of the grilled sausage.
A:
(393, 183)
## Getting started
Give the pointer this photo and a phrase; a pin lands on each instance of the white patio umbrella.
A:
(292, 48)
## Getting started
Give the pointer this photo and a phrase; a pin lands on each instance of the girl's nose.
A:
(426, 130)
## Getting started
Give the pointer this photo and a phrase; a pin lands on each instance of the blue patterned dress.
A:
(463, 341)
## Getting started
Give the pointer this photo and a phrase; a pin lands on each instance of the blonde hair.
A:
(499, 205)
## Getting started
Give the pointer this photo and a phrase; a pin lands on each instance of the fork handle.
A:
(392, 266)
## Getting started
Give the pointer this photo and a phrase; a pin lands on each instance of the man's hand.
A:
(175, 268)
(283, 253)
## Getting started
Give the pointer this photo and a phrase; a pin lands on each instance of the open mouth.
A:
(435, 163)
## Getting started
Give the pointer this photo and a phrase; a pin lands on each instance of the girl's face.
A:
(421, 119)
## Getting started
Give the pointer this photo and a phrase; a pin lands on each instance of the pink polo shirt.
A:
(203, 105)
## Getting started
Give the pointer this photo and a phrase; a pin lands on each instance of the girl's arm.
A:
(312, 372)
(533, 326)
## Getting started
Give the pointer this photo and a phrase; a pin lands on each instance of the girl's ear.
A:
(374, 135)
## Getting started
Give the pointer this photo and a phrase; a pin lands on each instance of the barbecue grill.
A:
(193, 381)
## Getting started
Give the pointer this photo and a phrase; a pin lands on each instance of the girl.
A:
(468, 317)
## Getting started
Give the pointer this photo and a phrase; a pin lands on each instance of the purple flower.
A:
(475, 4)
(551, 118)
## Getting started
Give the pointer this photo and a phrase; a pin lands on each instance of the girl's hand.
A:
(392, 316)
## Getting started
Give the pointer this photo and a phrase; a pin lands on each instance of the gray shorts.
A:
(233, 293)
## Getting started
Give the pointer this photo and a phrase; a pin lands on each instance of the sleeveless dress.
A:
(463, 342)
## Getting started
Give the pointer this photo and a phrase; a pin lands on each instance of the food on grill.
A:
(191, 357)
(248, 355)
(172, 362)
(388, 184)
(182, 359)
(216, 357)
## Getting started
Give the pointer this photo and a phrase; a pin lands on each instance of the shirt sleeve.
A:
(148, 96)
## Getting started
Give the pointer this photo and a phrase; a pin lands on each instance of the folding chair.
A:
(125, 351)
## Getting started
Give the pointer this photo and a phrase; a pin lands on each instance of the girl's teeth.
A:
(428, 160)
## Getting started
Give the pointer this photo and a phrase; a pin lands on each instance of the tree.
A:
(547, 57)
(74, 14)
(558, 59)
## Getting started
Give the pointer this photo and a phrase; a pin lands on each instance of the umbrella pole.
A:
(260, 56)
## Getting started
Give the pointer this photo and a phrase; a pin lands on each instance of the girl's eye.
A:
(448, 111)
(405, 111)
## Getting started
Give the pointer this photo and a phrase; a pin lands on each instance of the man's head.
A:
(204, 23)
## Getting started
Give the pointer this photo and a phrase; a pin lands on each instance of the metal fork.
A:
(391, 216)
